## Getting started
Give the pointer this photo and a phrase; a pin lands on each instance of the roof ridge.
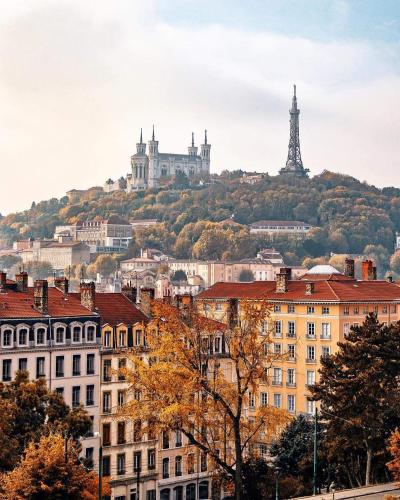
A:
(332, 290)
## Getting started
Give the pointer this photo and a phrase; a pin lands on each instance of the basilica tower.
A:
(205, 154)
(294, 164)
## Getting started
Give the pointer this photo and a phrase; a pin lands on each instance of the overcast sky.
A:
(79, 78)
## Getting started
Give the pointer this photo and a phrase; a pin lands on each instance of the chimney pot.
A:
(282, 279)
(22, 281)
(41, 296)
(310, 288)
(367, 270)
(88, 295)
(349, 268)
(146, 297)
(130, 293)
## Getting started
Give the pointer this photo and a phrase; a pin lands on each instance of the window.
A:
(6, 370)
(376, 309)
(277, 308)
(291, 308)
(291, 377)
(59, 366)
(393, 308)
(106, 402)
(203, 490)
(326, 331)
(106, 434)
(346, 310)
(151, 430)
(384, 309)
(107, 370)
(311, 330)
(76, 364)
(151, 459)
(22, 337)
(121, 433)
(263, 398)
(151, 495)
(365, 309)
(120, 464)
(346, 328)
(325, 310)
(218, 306)
(90, 364)
(122, 338)
(76, 334)
(291, 329)
(89, 457)
(138, 337)
(107, 338)
(277, 377)
(291, 349)
(178, 438)
(278, 328)
(60, 331)
(264, 327)
(310, 377)
(190, 463)
(178, 466)
(40, 367)
(22, 364)
(217, 344)
(165, 440)
(40, 336)
(137, 461)
(121, 398)
(76, 396)
(89, 395)
(191, 492)
(291, 403)
(310, 352)
(356, 310)
(60, 391)
(203, 461)
(121, 368)
(277, 348)
(90, 333)
(310, 406)
(106, 465)
(165, 468)
(277, 400)
(137, 430)
(7, 338)
(310, 310)
(325, 351)
(252, 400)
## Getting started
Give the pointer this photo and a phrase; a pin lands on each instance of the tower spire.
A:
(205, 136)
(294, 163)
(141, 136)
(192, 139)
(152, 137)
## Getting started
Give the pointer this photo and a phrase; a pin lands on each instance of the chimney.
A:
(22, 281)
(349, 268)
(233, 313)
(367, 270)
(41, 296)
(389, 279)
(88, 295)
(62, 284)
(282, 279)
(310, 288)
(3, 280)
(146, 297)
(130, 293)
(374, 273)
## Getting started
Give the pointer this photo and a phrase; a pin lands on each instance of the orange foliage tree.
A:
(394, 448)
(47, 472)
(200, 377)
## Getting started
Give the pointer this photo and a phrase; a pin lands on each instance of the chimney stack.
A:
(88, 295)
(282, 279)
(22, 281)
(62, 284)
(41, 296)
(368, 271)
(130, 293)
(3, 280)
(310, 288)
(349, 268)
(233, 313)
(146, 297)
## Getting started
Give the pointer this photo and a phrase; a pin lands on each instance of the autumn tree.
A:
(47, 472)
(201, 377)
(27, 411)
(394, 448)
(360, 398)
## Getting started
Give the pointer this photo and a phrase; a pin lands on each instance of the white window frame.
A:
(325, 330)
(263, 398)
(277, 396)
(87, 325)
(308, 349)
(291, 379)
(3, 329)
(20, 327)
(36, 327)
(310, 327)
(55, 328)
(292, 326)
(310, 377)
(291, 403)
(72, 326)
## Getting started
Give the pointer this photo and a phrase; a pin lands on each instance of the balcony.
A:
(292, 359)
(309, 336)
(276, 383)
(291, 384)
(121, 472)
(311, 361)
(290, 335)
(325, 336)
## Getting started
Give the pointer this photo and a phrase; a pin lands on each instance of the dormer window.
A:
(40, 335)
(76, 334)
(122, 338)
(107, 338)
(60, 335)
(7, 337)
(22, 336)
(90, 333)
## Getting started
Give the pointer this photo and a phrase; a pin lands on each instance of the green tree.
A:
(9, 261)
(39, 270)
(360, 399)
(105, 264)
(246, 275)
(395, 263)
(179, 275)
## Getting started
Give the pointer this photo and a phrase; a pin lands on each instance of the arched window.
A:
(8, 337)
(178, 493)
(76, 334)
(203, 490)
(90, 333)
(191, 491)
(59, 333)
(165, 494)
(178, 466)
(22, 335)
(40, 334)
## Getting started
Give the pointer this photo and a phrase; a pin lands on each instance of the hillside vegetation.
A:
(349, 216)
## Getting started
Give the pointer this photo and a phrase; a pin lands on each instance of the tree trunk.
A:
(239, 464)
(368, 467)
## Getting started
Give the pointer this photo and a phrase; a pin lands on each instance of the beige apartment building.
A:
(59, 254)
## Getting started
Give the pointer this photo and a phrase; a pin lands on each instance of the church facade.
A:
(148, 168)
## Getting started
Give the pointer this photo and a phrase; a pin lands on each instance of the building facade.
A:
(276, 227)
(59, 254)
(147, 170)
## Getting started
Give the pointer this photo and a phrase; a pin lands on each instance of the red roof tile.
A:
(327, 290)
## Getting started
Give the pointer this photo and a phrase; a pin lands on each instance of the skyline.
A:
(78, 82)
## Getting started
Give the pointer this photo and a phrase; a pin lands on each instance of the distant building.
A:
(138, 264)
(148, 169)
(251, 179)
(140, 223)
(271, 255)
(287, 227)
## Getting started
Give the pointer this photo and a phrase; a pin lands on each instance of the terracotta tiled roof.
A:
(115, 308)
(15, 305)
(324, 290)
(325, 277)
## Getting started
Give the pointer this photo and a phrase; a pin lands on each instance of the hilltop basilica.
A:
(148, 169)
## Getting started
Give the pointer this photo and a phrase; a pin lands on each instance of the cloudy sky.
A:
(79, 78)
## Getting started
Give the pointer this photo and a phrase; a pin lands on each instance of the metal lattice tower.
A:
(294, 164)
